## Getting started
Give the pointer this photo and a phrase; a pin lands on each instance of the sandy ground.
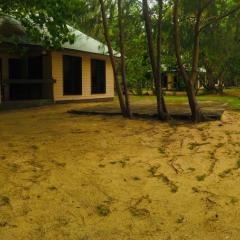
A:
(70, 177)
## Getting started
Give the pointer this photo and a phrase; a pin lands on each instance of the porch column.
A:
(47, 76)
(86, 76)
(5, 76)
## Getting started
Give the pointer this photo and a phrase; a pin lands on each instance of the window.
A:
(72, 71)
(17, 68)
(26, 68)
(98, 69)
(35, 67)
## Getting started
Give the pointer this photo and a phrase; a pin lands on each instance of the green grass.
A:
(232, 101)
(232, 91)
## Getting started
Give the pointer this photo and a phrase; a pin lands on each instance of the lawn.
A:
(233, 101)
(83, 177)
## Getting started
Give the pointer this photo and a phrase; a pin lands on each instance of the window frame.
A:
(78, 92)
(104, 87)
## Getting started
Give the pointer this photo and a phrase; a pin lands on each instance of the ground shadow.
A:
(209, 116)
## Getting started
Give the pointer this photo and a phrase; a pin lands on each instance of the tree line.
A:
(181, 34)
(198, 15)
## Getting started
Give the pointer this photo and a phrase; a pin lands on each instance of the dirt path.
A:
(102, 178)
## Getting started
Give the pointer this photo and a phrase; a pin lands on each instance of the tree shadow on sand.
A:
(184, 116)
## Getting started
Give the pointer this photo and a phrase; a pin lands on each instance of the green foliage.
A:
(44, 21)
(220, 42)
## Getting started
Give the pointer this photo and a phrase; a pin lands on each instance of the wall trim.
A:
(107, 99)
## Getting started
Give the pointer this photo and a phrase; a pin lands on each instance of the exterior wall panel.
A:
(57, 74)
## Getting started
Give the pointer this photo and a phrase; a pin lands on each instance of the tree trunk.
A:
(123, 65)
(113, 62)
(162, 104)
(195, 109)
(161, 108)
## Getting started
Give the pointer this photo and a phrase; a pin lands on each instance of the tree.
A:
(189, 80)
(200, 23)
(88, 19)
(125, 111)
(155, 64)
(221, 60)
(123, 64)
(44, 21)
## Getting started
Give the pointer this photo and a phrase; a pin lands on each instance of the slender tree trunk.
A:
(162, 104)
(196, 49)
(123, 64)
(113, 62)
(161, 108)
(196, 111)
(189, 81)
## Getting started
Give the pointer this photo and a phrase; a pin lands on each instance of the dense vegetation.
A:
(154, 36)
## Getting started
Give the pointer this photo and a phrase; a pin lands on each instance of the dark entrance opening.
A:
(25, 76)
(72, 74)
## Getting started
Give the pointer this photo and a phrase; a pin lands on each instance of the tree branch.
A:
(221, 17)
(177, 43)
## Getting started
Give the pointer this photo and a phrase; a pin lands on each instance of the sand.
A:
(70, 177)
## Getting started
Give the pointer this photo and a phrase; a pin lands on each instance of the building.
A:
(172, 80)
(80, 71)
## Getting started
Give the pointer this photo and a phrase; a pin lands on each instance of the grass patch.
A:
(238, 164)
(52, 188)
(192, 146)
(180, 219)
(201, 177)
(103, 210)
(234, 200)
(139, 212)
(195, 189)
(232, 100)
(225, 173)
(153, 170)
(4, 200)
(2, 157)
(173, 187)
(229, 171)
(101, 165)
(136, 178)
(161, 150)
(34, 147)
(219, 145)
(122, 162)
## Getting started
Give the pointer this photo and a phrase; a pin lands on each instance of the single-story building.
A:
(172, 79)
(80, 71)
